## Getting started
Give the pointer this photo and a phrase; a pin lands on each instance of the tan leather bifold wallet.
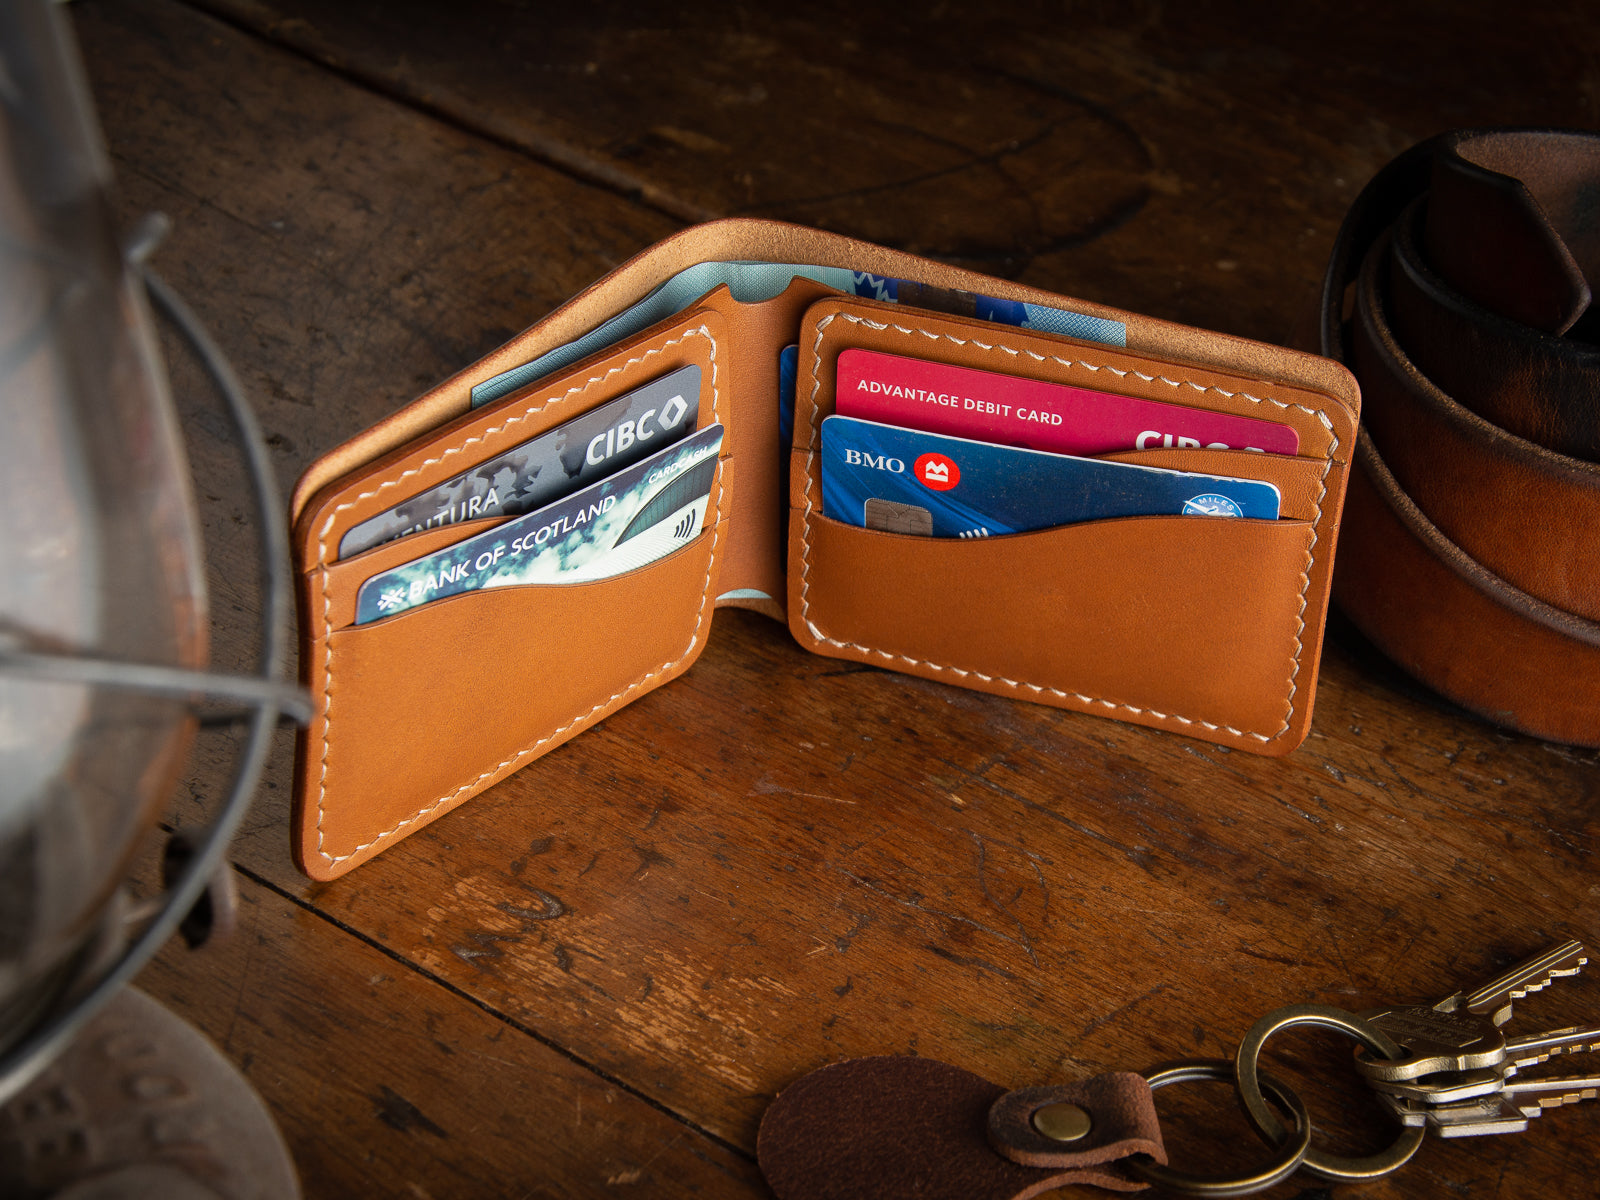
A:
(1205, 626)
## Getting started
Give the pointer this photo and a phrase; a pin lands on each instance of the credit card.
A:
(991, 407)
(753, 282)
(544, 468)
(624, 521)
(788, 374)
(908, 481)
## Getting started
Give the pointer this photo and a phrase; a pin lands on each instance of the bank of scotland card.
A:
(544, 468)
(906, 481)
(626, 520)
(1063, 419)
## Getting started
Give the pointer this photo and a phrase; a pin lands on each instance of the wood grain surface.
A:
(593, 979)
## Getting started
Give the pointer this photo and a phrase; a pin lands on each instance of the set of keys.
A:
(868, 1125)
(1461, 1076)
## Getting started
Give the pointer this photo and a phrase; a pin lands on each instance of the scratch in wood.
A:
(1572, 754)
(765, 787)
(238, 997)
(1101, 1022)
(1300, 812)
(860, 922)
(1025, 939)
(853, 848)
(1272, 958)
(982, 767)
(564, 953)
(563, 957)
(1139, 856)
(660, 1150)
(963, 961)
(494, 1058)
(486, 951)
(914, 902)
(1333, 936)
(649, 857)
(550, 908)
(398, 1113)
(997, 1027)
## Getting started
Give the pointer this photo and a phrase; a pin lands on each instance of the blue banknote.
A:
(752, 282)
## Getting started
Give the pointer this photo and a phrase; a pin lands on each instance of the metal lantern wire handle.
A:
(266, 694)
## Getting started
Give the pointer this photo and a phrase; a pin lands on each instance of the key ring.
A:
(1250, 1082)
(1294, 1147)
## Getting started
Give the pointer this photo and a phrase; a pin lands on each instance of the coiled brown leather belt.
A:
(1458, 294)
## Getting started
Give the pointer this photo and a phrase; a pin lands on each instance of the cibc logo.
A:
(937, 471)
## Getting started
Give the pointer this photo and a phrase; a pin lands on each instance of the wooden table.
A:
(593, 979)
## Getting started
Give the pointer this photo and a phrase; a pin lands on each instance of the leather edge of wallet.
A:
(776, 241)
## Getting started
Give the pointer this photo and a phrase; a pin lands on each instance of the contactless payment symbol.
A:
(1209, 504)
(937, 471)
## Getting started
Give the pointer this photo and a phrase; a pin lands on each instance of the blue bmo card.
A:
(628, 519)
(905, 481)
(788, 372)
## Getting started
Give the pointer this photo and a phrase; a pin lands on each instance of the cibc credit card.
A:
(907, 481)
(1060, 418)
(628, 519)
(556, 463)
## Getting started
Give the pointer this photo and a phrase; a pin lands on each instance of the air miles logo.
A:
(937, 471)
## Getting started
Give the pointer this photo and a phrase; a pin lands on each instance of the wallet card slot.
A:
(427, 708)
(1324, 426)
(435, 562)
(464, 596)
(1210, 606)
(339, 582)
(475, 438)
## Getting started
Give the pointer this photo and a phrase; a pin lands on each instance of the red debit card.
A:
(1059, 418)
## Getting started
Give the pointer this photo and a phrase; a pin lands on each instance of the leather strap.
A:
(1467, 549)
(1528, 382)
(1508, 211)
(917, 1129)
(1526, 513)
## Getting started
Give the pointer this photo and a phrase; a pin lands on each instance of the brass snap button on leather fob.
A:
(1063, 1122)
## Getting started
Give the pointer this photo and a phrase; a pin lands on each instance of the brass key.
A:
(1461, 1033)
(1436, 1093)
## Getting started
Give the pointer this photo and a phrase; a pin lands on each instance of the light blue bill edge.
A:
(753, 282)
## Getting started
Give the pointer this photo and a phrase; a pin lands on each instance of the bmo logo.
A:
(876, 462)
(937, 471)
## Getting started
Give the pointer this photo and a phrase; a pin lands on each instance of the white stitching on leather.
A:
(1023, 685)
(327, 652)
